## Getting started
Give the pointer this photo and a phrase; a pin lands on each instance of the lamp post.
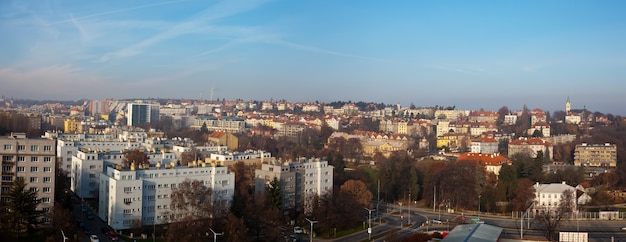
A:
(401, 218)
(311, 232)
(64, 238)
(369, 220)
(479, 206)
(215, 234)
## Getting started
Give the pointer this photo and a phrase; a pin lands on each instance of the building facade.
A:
(33, 160)
(595, 155)
(299, 180)
(141, 113)
(132, 197)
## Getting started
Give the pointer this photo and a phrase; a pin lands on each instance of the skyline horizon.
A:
(403, 105)
(480, 54)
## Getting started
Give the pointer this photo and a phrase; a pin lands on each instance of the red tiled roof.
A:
(531, 141)
(484, 159)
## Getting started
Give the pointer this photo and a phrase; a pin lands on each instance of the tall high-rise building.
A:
(33, 160)
(141, 113)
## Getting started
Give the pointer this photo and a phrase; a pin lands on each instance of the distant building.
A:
(549, 196)
(542, 127)
(141, 113)
(299, 180)
(224, 138)
(595, 155)
(492, 162)
(485, 146)
(141, 197)
(530, 146)
(32, 160)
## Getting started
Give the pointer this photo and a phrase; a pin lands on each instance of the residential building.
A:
(141, 113)
(483, 116)
(299, 180)
(510, 119)
(87, 165)
(32, 160)
(542, 127)
(492, 162)
(228, 124)
(548, 197)
(485, 146)
(530, 146)
(132, 197)
(595, 155)
(224, 138)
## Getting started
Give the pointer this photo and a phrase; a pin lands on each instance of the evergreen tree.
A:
(273, 194)
(22, 207)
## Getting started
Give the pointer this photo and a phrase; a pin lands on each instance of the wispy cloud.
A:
(194, 24)
(71, 19)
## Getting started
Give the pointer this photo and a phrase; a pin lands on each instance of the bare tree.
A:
(549, 218)
(135, 156)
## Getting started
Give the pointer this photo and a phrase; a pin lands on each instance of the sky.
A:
(468, 54)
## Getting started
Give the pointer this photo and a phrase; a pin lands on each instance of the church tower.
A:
(568, 106)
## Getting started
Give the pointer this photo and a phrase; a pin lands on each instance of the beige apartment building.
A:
(31, 159)
(595, 155)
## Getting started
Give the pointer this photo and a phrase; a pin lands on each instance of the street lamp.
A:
(64, 237)
(311, 232)
(369, 220)
(215, 234)
(479, 206)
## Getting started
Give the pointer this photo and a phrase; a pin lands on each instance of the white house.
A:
(549, 196)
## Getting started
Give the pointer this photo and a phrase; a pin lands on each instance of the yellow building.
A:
(454, 140)
(72, 125)
(595, 155)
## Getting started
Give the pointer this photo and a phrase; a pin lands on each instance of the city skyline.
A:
(472, 55)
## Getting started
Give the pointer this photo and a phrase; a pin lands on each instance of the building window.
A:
(34, 169)
(7, 178)
(21, 158)
(34, 179)
(127, 201)
(33, 189)
(46, 190)
(126, 211)
(47, 148)
(7, 168)
(7, 158)
(47, 169)
(34, 148)
(47, 179)
(8, 147)
(47, 159)
(21, 147)
(128, 189)
(34, 159)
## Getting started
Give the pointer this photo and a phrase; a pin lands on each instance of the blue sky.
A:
(472, 54)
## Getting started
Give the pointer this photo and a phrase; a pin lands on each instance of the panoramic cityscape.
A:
(274, 120)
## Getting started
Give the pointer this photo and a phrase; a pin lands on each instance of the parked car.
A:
(297, 230)
(94, 238)
(435, 221)
(113, 236)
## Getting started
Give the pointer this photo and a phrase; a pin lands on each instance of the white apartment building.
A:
(30, 159)
(485, 146)
(299, 180)
(87, 165)
(68, 148)
(549, 196)
(510, 119)
(138, 197)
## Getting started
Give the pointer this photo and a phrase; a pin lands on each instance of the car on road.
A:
(297, 230)
(94, 238)
(435, 221)
(113, 236)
